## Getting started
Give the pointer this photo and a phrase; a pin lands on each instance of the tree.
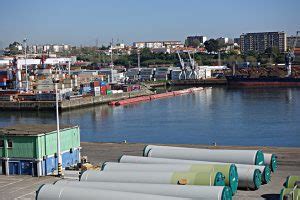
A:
(195, 43)
(252, 60)
(252, 53)
(274, 55)
(13, 48)
(272, 51)
(212, 45)
(104, 47)
(186, 43)
(122, 61)
(146, 54)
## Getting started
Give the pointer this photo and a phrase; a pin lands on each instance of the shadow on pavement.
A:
(271, 196)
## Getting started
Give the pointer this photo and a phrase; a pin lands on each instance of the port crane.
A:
(290, 56)
(183, 67)
(192, 74)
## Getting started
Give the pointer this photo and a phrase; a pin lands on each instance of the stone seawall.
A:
(69, 104)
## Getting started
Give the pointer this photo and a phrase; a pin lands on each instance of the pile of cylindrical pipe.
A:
(253, 166)
(291, 188)
(154, 96)
(63, 189)
(132, 100)
(170, 177)
(172, 173)
(162, 95)
(214, 171)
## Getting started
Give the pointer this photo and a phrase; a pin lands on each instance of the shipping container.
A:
(103, 91)
(2, 72)
(6, 97)
(27, 97)
(103, 83)
(46, 97)
(95, 84)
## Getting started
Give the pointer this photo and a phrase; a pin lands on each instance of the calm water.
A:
(269, 117)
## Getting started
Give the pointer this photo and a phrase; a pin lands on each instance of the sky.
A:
(83, 22)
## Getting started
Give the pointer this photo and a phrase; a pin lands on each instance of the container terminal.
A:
(34, 83)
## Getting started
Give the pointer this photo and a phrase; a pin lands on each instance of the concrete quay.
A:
(199, 82)
(69, 104)
(24, 187)
(288, 163)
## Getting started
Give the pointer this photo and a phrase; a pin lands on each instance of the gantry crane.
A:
(183, 67)
(290, 56)
(192, 74)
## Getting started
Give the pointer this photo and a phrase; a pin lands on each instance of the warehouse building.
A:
(32, 149)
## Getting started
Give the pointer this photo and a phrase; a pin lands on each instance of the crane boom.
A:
(181, 60)
(289, 57)
(295, 41)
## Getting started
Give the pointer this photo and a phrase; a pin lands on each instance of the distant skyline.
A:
(78, 22)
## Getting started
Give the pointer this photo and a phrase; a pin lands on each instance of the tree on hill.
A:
(194, 43)
(211, 45)
(13, 48)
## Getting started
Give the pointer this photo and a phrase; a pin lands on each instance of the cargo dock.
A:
(199, 82)
(66, 104)
(24, 187)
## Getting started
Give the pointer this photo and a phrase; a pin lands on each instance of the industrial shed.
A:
(32, 149)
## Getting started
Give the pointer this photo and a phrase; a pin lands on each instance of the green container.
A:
(228, 170)
(198, 178)
(108, 92)
(289, 192)
(290, 181)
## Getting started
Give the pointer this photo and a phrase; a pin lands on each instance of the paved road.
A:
(24, 187)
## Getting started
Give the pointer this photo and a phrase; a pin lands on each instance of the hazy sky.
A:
(83, 21)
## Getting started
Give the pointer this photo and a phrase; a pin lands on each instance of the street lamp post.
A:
(25, 46)
(59, 159)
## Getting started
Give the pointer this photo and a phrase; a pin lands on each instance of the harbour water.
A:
(264, 117)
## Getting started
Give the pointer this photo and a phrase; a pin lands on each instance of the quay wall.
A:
(200, 82)
(69, 104)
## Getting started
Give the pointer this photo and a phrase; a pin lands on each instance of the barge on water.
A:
(263, 81)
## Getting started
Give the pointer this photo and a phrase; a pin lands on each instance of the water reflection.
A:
(221, 115)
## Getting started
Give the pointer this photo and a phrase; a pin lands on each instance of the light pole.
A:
(59, 159)
(25, 46)
(139, 61)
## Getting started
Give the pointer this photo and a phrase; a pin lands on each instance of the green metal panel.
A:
(70, 138)
(23, 147)
(199, 178)
(2, 149)
(39, 146)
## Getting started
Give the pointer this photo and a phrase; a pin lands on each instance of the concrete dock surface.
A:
(24, 187)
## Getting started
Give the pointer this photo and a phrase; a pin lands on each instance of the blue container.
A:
(86, 89)
(26, 167)
(2, 84)
(103, 83)
(14, 168)
(69, 158)
(3, 72)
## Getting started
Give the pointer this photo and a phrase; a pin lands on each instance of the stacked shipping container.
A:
(3, 78)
